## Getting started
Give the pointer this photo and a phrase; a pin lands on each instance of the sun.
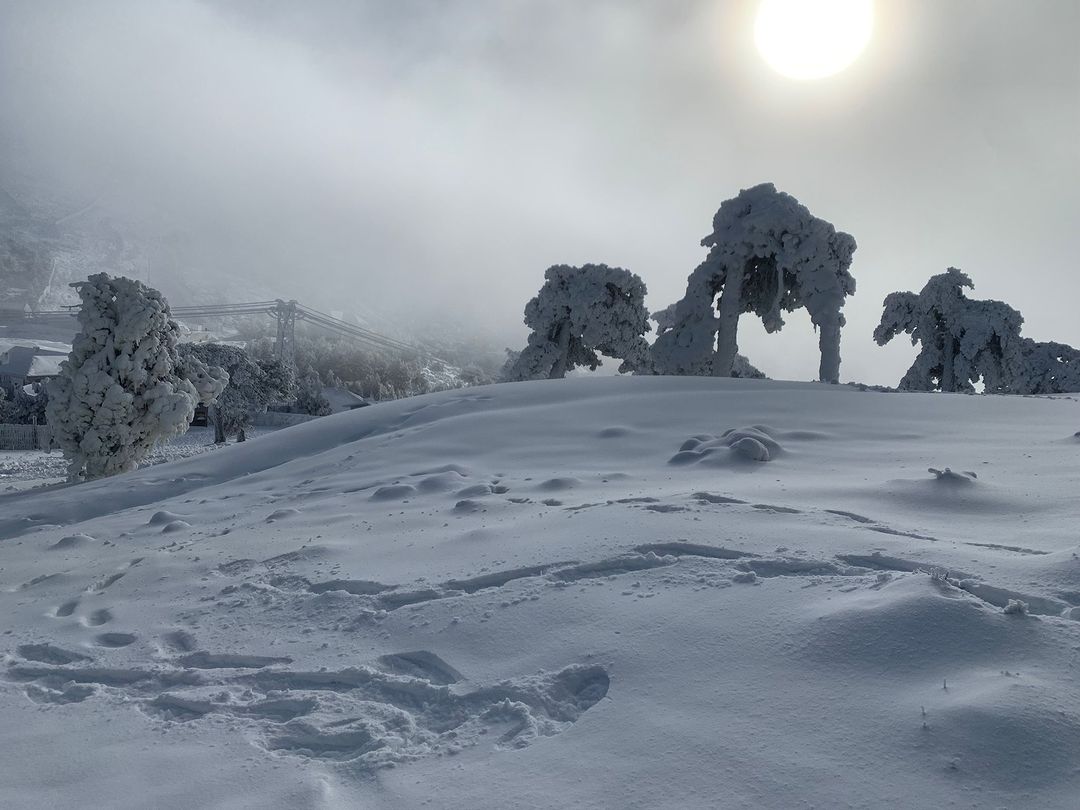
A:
(812, 39)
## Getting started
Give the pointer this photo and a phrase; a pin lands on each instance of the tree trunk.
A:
(948, 375)
(829, 345)
(241, 435)
(558, 371)
(219, 428)
(730, 308)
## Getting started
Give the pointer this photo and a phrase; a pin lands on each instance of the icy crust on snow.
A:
(888, 607)
(783, 258)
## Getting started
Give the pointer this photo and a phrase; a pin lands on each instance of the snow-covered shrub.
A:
(1047, 368)
(251, 385)
(121, 390)
(579, 312)
(767, 255)
(962, 340)
(24, 404)
(309, 396)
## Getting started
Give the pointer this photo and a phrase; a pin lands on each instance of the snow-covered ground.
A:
(29, 469)
(562, 594)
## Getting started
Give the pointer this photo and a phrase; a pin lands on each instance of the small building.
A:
(341, 399)
(24, 363)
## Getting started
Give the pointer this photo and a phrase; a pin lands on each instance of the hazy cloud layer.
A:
(445, 153)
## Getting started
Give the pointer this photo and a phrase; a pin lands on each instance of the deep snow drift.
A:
(622, 592)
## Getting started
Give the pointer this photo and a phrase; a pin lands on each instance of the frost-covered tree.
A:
(962, 340)
(742, 367)
(767, 255)
(251, 386)
(581, 312)
(120, 392)
(1047, 368)
(309, 395)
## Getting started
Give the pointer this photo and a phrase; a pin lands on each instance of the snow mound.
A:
(737, 444)
(72, 541)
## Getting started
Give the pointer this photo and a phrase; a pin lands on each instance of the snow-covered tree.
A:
(251, 386)
(309, 395)
(767, 255)
(962, 340)
(1047, 368)
(581, 312)
(742, 367)
(120, 392)
(29, 404)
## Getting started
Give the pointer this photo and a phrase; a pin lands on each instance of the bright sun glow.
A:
(812, 39)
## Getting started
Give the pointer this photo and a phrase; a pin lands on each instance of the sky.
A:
(432, 158)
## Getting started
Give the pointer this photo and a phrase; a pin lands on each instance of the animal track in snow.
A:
(886, 563)
(681, 549)
(1017, 549)
(114, 639)
(768, 507)
(112, 579)
(180, 641)
(708, 497)
(205, 660)
(99, 617)
(49, 654)
(421, 664)
(357, 587)
(850, 515)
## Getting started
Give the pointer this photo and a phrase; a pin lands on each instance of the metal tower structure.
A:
(285, 313)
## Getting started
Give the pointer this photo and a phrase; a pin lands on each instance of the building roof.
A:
(21, 362)
(341, 399)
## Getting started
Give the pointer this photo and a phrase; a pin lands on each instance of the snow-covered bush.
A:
(962, 340)
(767, 255)
(121, 391)
(578, 313)
(251, 386)
(309, 396)
(24, 404)
(1047, 368)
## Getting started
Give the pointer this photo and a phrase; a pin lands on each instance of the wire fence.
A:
(24, 437)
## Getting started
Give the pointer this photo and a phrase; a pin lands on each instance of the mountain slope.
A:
(568, 593)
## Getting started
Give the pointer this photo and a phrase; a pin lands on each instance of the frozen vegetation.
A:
(767, 255)
(646, 591)
(122, 390)
(580, 313)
